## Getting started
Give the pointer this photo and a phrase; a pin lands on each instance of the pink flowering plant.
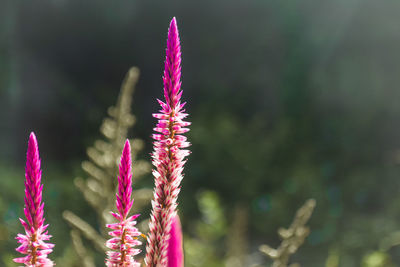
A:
(164, 240)
(169, 154)
(124, 233)
(33, 243)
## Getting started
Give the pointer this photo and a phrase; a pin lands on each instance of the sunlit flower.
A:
(169, 154)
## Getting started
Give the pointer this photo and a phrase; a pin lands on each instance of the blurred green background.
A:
(289, 100)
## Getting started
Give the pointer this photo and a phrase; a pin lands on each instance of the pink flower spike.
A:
(32, 243)
(168, 157)
(124, 233)
(175, 244)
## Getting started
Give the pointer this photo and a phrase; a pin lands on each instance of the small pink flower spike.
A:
(175, 244)
(169, 154)
(32, 243)
(124, 233)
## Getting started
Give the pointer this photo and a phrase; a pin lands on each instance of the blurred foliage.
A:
(203, 245)
(377, 259)
(289, 100)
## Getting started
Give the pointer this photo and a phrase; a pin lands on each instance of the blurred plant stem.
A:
(80, 249)
(333, 258)
(237, 243)
(292, 238)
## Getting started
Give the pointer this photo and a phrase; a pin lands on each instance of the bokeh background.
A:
(289, 100)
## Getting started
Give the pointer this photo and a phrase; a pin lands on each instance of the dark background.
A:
(288, 100)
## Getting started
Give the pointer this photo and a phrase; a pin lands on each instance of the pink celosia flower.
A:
(175, 248)
(33, 242)
(124, 234)
(168, 156)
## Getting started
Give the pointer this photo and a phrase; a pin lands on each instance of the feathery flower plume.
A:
(124, 233)
(169, 154)
(175, 246)
(32, 243)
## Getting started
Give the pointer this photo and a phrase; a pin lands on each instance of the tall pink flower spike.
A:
(175, 244)
(32, 243)
(124, 233)
(169, 154)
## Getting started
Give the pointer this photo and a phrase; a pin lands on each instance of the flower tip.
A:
(127, 144)
(173, 26)
(173, 21)
(127, 149)
(32, 145)
(32, 137)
